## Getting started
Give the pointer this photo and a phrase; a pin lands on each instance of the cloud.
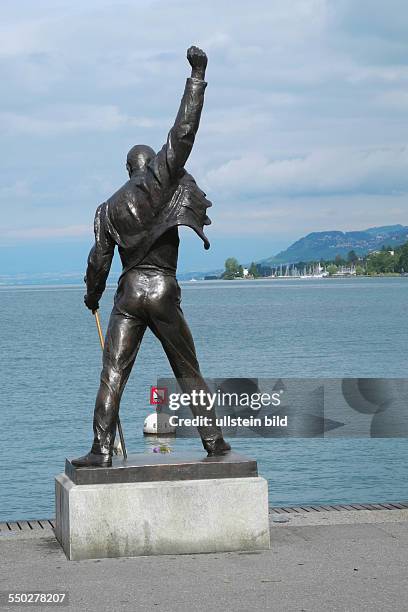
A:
(323, 172)
(371, 31)
(277, 216)
(73, 118)
(394, 100)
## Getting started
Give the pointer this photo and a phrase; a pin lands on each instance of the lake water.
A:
(50, 363)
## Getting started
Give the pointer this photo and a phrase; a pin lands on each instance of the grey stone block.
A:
(158, 518)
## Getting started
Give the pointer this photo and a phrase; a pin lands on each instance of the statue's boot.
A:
(216, 447)
(93, 460)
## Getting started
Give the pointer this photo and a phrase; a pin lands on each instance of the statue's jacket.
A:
(153, 201)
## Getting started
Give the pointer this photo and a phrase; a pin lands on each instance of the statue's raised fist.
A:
(197, 58)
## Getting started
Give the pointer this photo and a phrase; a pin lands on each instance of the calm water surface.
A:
(50, 362)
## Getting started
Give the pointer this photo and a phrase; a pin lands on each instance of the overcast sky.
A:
(304, 126)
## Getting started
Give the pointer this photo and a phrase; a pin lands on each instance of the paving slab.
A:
(335, 564)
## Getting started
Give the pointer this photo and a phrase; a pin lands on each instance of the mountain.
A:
(186, 276)
(326, 245)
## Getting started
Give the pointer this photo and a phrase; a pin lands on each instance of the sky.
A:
(304, 126)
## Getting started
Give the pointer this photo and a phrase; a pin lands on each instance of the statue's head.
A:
(138, 158)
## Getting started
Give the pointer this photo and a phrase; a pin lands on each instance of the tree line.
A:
(388, 260)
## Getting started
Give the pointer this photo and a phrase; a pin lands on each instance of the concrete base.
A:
(159, 518)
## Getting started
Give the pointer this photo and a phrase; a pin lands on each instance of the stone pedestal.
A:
(155, 504)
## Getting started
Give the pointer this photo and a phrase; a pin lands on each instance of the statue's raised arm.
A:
(164, 168)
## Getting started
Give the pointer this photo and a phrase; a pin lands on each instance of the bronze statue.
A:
(141, 219)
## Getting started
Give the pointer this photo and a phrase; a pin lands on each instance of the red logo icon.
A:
(158, 396)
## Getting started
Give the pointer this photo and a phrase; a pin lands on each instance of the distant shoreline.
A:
(241, 281)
